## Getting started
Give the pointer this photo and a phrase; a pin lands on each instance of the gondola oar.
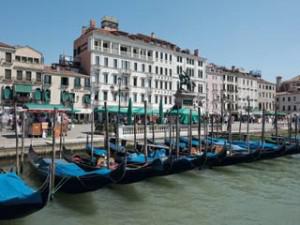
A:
(23, 139)
(263, 128)
(52, 174)
(145, 132)
(248, 125)
(199, 129)
(106, 136)
(190, 132)
(17, 139)
(177, 133)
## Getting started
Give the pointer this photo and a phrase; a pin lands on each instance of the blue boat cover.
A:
(13, 188)
(64, 168)
(97, 151)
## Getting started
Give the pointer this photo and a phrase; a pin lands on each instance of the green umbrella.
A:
(161, 112)
(129, 112)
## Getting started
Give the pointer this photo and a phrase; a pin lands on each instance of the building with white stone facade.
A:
(143, 67)
(214, 88)
(288, 95)
(236, 88)
(266, 95)
(20, 73)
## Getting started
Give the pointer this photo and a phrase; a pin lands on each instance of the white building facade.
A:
(142, 67)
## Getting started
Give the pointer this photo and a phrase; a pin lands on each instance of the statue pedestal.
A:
(186, 99)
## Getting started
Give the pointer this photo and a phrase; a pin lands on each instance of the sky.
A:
(255, 34)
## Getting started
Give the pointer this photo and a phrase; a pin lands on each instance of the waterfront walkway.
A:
(78, 134)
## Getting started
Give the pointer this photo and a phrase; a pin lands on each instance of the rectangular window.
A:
(28, 75)
(7, 74)
(170, 72)
(47, 79)
(115, 63)
(135, 67)
(77, 82)
(8, 57)
(19, 75)
(161, 84)
(166, 85)
(134, 97)
(38, 77)
(149, 99)
(149, 83)
(166, 71)
(115, 79)
(87, 82)
(104, 95)
(106, 61)
(142, 82)
(161, 71)
(156, 69)
(156, 83)
(105, 78)
(125, 81)
(36, 61)
(166, 99)
(156, 99)
(170, 100)
(18, 58)
(64, 81)
(200, 73)
(135, 81)
(142, 97)
(150, 69)
(170, 85)
(143, 67)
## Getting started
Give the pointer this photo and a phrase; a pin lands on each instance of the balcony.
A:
(125, 53)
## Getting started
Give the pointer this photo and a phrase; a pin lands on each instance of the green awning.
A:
(38, 94)
(7, 93)
(45, 107)
(184, 115)
(23, 88)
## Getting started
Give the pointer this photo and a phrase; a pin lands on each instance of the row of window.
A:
(289, 108)
(266, 95)
(267, 87)
(23, 75)
(23, 59)
(287, 98)
(165, 99)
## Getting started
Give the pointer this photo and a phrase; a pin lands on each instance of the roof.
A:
(62, 71)
(140, 37)
(265, 81)
(3, 45)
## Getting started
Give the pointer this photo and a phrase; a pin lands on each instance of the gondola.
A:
(17, 199)
(69, 177)
(138, 167)
(182, 162)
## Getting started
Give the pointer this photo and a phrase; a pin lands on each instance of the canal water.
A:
(266, 193)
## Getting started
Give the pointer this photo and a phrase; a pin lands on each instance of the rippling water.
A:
(266, 192)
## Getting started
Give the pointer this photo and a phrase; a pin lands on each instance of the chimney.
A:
(92, 23)
(109, 23)
(278, 82)
(196, 52)
(153, 35)
(83, 29)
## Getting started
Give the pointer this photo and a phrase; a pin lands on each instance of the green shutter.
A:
(87, 99)
(64, 96)
(38, 94)
(7, 93)
(47, 96)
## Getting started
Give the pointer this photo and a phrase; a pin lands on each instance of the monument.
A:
(185, 95)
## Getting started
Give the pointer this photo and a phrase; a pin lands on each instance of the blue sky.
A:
(253, 34)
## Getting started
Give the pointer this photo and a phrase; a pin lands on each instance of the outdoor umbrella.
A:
(129, 112)
(161, 112)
